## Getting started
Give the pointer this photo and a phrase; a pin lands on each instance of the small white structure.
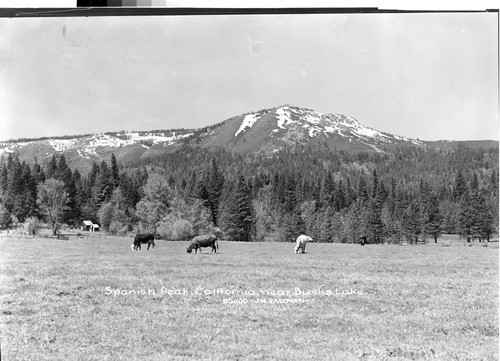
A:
(89, 226)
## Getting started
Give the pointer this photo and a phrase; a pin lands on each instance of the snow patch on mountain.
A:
(364, 132)
(6, 150)
(285, 117)
(376, 149)
(87, 146)
(313, 118)
(413, 141)
(155, 138)
(61, 145)
(313, 131)
(81, 154)
(247, 122)
(330, 129)
(105, 140)
(316, 124)
(282, 118)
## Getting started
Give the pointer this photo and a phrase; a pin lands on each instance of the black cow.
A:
(362, 240)
(143, 238)
(203, 241)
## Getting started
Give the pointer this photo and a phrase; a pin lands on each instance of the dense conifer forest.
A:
(411, 193)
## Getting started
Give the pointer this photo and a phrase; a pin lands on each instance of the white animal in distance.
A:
(302, 240)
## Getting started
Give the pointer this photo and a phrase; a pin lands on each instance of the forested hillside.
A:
(408, 193)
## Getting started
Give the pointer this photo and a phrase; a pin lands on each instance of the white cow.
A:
(301, 243)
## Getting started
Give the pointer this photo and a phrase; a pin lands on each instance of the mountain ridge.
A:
(267, 131)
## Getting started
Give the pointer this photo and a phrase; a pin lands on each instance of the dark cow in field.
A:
(203, 241)
(143, 238)
(302, 240)
(362, 240)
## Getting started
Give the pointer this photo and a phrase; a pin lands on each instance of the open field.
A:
(95, 299)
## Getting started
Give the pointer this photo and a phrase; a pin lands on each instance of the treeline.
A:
(63, 137)
(412, 194)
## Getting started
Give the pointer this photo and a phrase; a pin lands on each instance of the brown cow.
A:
(203, 241)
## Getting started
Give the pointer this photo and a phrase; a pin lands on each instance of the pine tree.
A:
(51, 169)
(349, 195)
(381, 195)
(327, 230)
(37, 173)
(482, 225)
(460, 186)
(201, 191)
(133, 190)
(374, 224)
(94, 172)
(115, 174)
(362, 189)
(213, 185)
(392, 196)
(63, 172)
(292, 225)
(465, 215)
(328, 191)
(191, 191)
(239, 218)
(374, 184)
(412, 221)
(76, 198)
(424, 194)
(308, 210)
(449, 210)
(73, 213)
(102, 189)
(5, 217)
(337, 228)
(340, 201)
(3, 176)
(433, 218)
(494, 183)
(290, 196)
(279, 188)
(29, 193)
(15, 189)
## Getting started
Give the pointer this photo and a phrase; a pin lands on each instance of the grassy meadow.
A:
(96, 299)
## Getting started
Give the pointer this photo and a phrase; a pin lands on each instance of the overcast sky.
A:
(428, 76)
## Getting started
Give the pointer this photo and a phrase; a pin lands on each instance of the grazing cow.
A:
(362, 240)
(143, 238)
(301, 243)
(203, 241)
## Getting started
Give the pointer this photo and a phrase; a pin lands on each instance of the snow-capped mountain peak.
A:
(291, 124)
